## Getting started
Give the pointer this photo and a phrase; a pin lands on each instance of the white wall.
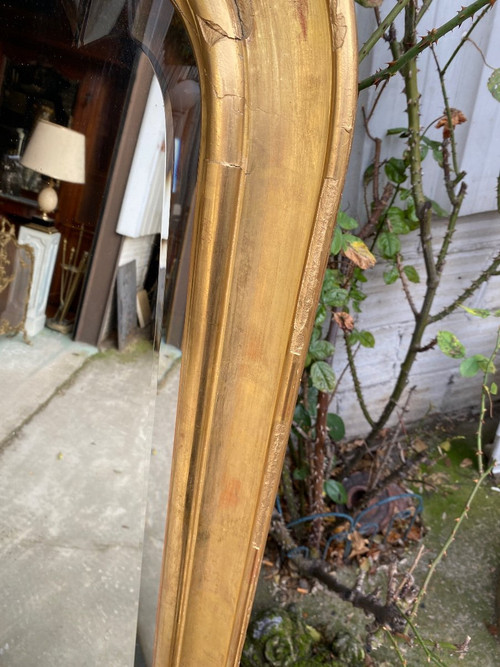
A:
(479, 147)
(386, 313)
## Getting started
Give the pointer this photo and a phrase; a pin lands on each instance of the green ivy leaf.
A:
(302, 417)
(336, 246)
(389, 245)
(300, 474)
(335, 491)
(395, 170)
(336, 426)
(391, 276)
(402, 131)
(312, 401)
(469, 367)
(478, 362)
(412, 274)
(335, 297)
(357, 295)
(478, 312)
(368, 175)
(450, 345)
(332, 294)
(485, 364)
(398, 221)
(322, 376)
(347, 240)
(346, 222)
(320, 315)
(494, 84)
(411, 215)
(440, 212)
(437, 154)
(431, 143)
(359, 275)
(321, 349)
(366, 339)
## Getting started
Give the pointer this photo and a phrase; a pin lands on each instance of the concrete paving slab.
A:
(31, 374)
(158, 487)
(72, 506)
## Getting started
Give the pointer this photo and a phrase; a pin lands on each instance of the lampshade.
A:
(56, 151)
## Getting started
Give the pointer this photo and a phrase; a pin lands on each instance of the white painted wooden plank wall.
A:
(386, 313)
(479, 143)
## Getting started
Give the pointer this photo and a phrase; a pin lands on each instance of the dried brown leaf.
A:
(344, 321)
(359, 544)
(419, 445)
(457, 118)
(360, 255)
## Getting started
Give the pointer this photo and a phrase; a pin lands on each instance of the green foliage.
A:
(395, 170)
(364, 338)
(412, 274)
(494, 84)
(472, 365)
(398, 220)
(391, 275)
(335, 491)
(320, 350)
(477, 312)
(436, 148)
(336, 426)
(389, 244)
(438, 210)
(336, 241)
(346, 222)
(396, 206)
(332, 294)
(322, 376)
(450, 345)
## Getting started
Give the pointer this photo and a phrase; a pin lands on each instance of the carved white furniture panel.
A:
(45, 245)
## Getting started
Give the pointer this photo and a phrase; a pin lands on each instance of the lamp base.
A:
(47, 200)
(42, 223)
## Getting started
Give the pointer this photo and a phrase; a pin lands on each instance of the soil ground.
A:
(462, 598)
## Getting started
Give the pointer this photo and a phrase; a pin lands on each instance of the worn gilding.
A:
(278, 89)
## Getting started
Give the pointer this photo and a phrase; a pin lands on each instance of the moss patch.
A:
(282, 638)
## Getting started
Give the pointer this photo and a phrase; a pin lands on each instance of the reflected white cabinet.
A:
(45, 244)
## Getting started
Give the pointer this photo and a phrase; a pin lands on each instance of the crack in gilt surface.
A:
(213, 32)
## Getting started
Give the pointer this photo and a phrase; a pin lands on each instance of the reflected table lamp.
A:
(59, 153)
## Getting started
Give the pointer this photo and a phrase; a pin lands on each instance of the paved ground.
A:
(75, 451)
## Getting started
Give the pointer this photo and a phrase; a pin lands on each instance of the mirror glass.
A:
(91, 325)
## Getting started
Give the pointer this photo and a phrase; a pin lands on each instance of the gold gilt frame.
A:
(278, 94)
(26, 259)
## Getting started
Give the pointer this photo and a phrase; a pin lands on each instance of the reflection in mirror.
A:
(77, 403)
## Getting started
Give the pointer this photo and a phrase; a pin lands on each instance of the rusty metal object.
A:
(379, 517)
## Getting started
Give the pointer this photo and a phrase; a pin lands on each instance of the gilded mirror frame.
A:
(279, 86)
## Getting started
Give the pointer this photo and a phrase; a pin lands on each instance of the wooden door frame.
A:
(279, 87)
